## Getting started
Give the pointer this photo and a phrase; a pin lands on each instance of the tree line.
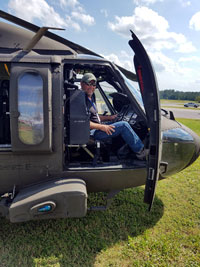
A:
(179, 95)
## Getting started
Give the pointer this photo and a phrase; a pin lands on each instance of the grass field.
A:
(125, 235)
(167, 101)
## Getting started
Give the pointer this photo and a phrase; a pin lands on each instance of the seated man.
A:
(105, 131)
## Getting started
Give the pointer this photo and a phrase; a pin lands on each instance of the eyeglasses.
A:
(92, 83)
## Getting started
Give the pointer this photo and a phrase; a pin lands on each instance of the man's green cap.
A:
(88, 77)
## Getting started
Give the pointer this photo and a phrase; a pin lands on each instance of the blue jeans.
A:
(124, 129)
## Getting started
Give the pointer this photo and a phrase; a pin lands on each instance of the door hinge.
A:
(151, 174)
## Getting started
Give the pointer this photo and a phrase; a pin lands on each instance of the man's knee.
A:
(121, 124)
(125, 124)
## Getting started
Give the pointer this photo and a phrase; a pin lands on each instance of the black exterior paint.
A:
(150, 95)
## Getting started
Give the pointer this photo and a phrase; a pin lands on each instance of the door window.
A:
(30, 107)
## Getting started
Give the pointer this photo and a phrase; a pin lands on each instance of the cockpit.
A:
(114, 94)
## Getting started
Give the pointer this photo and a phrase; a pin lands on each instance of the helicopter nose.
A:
(196, 139)
(180, 148)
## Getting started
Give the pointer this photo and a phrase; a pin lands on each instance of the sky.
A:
(168, 29)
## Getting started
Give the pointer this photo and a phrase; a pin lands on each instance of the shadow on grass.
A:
(76, 242)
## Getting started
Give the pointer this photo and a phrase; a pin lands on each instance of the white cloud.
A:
(181, 69)
(63, 3)
(40, 9)
(70, 3)
(86, 19)
(186, 47)
(144, 21)
(72, 23)
(185, 3)
(152, 29)
(161, 63)
(78, 13)
(195, 21)
(146, 2)
(113, 58)
(198, 82)
(32, 9)
(175, 74)
(122, 59)
(191, 59)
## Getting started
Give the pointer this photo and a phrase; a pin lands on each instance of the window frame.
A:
(5, 111)
(17, 71)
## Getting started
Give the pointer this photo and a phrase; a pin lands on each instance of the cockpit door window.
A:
(31, 109)
(150, 95)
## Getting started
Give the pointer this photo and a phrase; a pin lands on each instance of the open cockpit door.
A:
(150, 95)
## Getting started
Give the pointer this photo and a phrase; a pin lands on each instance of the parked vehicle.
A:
(193, 105)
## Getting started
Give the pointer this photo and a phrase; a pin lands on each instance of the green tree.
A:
(179, 95)
(197, 99)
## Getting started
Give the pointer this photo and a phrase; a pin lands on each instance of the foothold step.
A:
(53, 199)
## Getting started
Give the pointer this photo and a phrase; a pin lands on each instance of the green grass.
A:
(192, 124)
(125, 235)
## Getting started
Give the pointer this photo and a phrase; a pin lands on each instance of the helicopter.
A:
(49, 162)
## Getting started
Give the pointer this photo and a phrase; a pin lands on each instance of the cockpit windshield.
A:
(135, 92)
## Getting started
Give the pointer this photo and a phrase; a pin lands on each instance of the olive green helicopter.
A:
(49, 162)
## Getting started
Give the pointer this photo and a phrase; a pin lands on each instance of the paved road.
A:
(185, 113)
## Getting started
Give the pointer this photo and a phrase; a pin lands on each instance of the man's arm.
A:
(109, 129)
(107, 118)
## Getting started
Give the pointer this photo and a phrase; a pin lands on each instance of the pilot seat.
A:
(79, 144)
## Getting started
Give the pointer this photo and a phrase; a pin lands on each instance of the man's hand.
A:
(108, 118)
(112, 117)
(109, 129)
